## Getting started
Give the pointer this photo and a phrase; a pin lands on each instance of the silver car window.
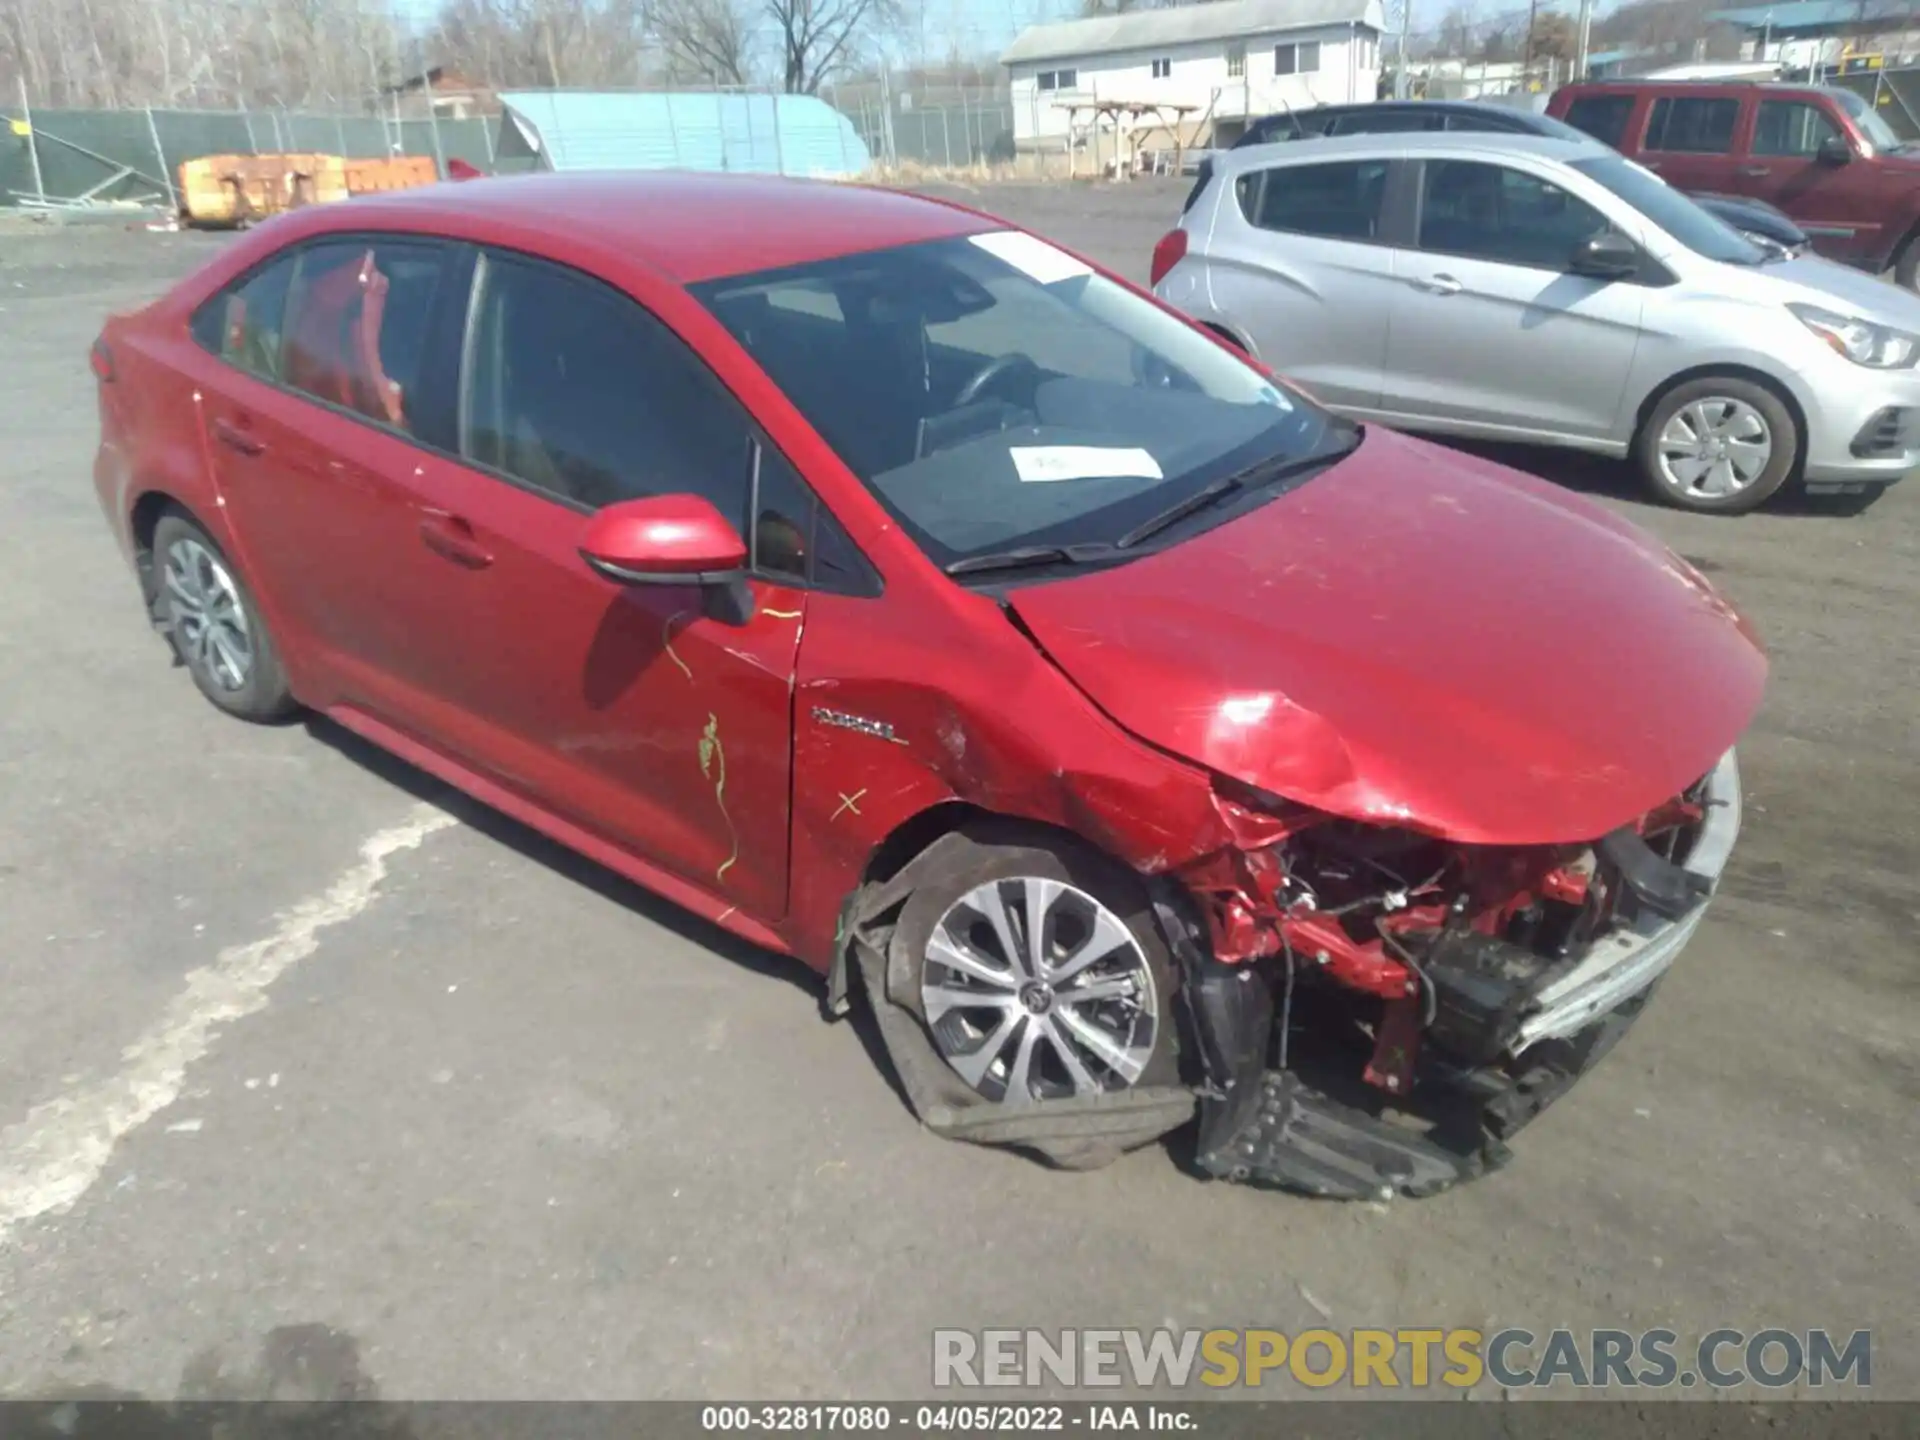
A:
(1342, 200)
(1511, 217)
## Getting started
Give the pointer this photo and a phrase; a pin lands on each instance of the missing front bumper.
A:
(1270, 1128)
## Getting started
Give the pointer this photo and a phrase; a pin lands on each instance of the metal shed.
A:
(708, 130)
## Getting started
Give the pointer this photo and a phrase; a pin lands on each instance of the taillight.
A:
(101, 359)
(1171, 250)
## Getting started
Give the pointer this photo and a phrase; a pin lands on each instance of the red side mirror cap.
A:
(664, 540)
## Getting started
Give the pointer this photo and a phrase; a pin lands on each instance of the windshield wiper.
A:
(1267, 472)
(1029, 555)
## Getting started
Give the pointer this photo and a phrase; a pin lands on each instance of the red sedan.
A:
(906, 594)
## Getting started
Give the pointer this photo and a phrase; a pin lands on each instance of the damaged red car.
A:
(908, 595)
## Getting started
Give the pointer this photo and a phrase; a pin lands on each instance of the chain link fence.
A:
(1895, 94)
(948, 127)
(66, 156)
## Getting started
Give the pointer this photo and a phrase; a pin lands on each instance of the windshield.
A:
(1680, 217)
(1869, 120)
(993, 392)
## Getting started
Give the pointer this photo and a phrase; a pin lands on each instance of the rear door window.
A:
(1792, 127)
(1604, 117)
(1692, 126)
(1341, 200)
(242, 324)
(359, 318)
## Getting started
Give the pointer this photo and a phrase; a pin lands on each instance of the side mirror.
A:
(672, 540)
(1606, 256)
(1834, 150)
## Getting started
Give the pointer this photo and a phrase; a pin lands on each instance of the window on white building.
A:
(1162, 69)
(1298, 59)
(1236, 60)
(1058, 79)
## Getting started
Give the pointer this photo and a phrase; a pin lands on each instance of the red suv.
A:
(907, 595)
(1821, 154)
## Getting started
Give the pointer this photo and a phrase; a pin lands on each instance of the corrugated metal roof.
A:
(712, 130)
(1798, 13)
(1183, 25)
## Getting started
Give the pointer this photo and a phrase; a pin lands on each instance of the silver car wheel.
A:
(1714, 447)
(1034, 990)
(209, 618)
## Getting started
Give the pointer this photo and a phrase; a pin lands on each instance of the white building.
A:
(1230, 59)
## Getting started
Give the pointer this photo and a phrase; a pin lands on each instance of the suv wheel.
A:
(1719, 445)
(1906, 269)
(215, 628)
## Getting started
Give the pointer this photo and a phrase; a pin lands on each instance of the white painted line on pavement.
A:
(50, 1159)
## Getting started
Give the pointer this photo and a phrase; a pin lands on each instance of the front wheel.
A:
(1906, 268)
(1719, 445)
(1043, 995)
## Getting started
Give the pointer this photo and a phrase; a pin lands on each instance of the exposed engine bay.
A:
(1379, 1010)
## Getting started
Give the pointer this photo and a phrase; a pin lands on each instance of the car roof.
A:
(690, 225)
(1411, 144)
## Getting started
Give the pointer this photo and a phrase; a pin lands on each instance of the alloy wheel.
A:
(209, 618)
(1714, 447)
(1034, 990)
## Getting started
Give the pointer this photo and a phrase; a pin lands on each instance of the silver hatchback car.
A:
(1551, 291)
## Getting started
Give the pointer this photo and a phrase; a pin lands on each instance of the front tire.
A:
(1035, 998)
(1719, 445)
(215, 626)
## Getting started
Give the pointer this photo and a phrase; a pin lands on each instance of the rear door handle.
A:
(1755, 171)
(1440, 285)
(238, 437)
(453, 537)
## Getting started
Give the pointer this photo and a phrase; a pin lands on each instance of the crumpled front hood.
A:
(1417, 637)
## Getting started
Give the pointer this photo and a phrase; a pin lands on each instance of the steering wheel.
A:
(993, 371)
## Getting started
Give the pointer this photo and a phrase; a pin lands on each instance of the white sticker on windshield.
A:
(1040, 464)
(1031, 256)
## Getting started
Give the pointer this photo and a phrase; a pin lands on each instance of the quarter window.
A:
(242, 325)
(1302, 58)
(1792, 127)
(1604, 117)
(1341, 201)
(573, 389)
(1692, 127)
(1488, 212)
(358, 318)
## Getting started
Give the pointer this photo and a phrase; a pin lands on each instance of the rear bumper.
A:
(1626, 962)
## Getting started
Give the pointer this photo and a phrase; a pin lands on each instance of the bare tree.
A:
(705, 40)
(823, 38)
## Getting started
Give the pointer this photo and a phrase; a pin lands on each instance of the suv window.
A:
(1489, 212)
(574, 389)
(1604, 117)
(242, 324)
(1384, 122)
(1792, 127)
(1693, 127)
(358, 317)
(1341, 200)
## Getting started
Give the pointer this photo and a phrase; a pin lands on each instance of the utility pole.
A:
(1400, 55)
(1580, 49)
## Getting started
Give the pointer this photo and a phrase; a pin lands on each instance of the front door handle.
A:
(238, 437)
(1440, 285)
(1754, 172)
(453, 537)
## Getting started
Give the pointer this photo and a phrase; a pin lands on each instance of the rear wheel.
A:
(1719, 445)
(214, 625)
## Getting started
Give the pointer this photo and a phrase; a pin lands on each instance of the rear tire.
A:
(1718, 445)
(215, 626)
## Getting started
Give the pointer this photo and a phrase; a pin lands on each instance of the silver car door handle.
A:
(1440, 285)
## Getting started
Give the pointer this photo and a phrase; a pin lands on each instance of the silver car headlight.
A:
(1862, 341)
